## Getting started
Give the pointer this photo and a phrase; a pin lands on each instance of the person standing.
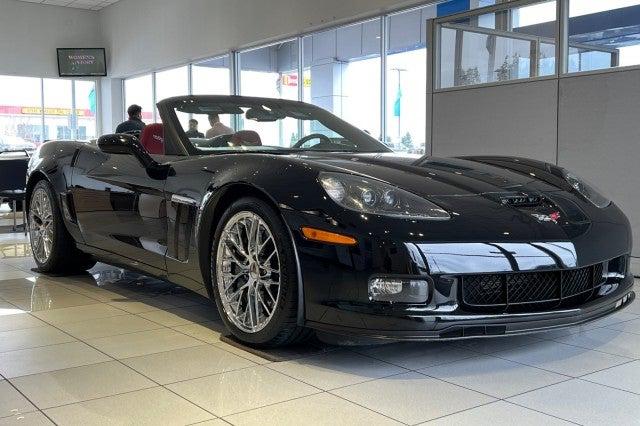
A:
(134, 123)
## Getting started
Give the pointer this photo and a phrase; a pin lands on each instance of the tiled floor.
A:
(114, 348)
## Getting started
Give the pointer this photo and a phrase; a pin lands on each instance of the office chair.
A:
(13, 182)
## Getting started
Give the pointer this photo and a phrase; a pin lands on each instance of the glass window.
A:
(211, 77)
(59, 120)
(173, 82)
(271, 72)
(511, 44)
(406, 82)
(342, 73)
(170, 83)
(603, 34)
(20, 112)
(86, 109)
(139, 90)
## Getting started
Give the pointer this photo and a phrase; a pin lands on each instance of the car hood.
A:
(437, 177)
(488, 190)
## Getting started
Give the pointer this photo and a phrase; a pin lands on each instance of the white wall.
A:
(111, 105)
(599, 136)
(30, 34)
(150, 34)
(511, 119)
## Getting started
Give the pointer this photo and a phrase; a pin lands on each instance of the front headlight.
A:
(374, 197)
(586, 190)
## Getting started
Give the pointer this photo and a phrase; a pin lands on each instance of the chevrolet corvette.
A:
(298, 222)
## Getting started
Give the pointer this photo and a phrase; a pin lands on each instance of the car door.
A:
(120, 209)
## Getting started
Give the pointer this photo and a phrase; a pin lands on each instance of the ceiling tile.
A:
(78, 4)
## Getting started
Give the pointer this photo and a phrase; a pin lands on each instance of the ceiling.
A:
(78, 4)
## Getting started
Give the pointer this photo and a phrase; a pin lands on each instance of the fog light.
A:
(399, 290)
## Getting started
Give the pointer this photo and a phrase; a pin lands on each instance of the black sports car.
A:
(301, 222)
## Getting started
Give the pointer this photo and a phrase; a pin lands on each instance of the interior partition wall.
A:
(496, 87)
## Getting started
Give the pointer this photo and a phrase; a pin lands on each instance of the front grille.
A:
(530, 290)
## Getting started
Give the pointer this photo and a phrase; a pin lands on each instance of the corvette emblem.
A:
(551, 217)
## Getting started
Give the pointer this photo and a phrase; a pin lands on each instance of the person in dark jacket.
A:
(134, 123)
(193, 130)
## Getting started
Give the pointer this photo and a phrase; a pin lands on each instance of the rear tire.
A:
(254, 275)
(54, 249)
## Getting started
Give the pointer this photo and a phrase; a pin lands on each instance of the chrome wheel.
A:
(248, 272)
(41, 225)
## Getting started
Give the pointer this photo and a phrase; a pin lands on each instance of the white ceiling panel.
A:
(78, 4)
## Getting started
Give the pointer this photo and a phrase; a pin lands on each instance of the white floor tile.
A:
(496, 344)
(336, 369)
(417, 355)
(625, 377)
(493, 376)
(143, 343)
(111, 326)
(32, 338)
(5, 268)
(14, 274)
(209, 331)
(12, 403)
(321, 409)
(139, 306)
(628, 326)
(584, 403)
(34, 418)
(77, 384)
(242, 353)
(183, 316)
(498, 414)
(214, 422)
(5, 307)
(187, 364)
(146, 407)
(48, 302)
(241, 390)
(558, 332)
(22, 263)
(17, 319)
(78, 313)
(412, 397)
(93, 291)
(606, 340)
(48, 358)
(563, 359)
(610, 320)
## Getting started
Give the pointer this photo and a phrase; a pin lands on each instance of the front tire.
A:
(54, 250)
(254, 275)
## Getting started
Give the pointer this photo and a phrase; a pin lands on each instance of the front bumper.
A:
(335, 281)
(461, 326)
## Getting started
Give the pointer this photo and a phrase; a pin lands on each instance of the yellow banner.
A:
(51, 111)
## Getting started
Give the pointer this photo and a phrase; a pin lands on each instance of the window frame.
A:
(561, 42)
(435, 25)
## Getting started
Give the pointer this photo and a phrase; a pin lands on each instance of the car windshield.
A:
(213, 124)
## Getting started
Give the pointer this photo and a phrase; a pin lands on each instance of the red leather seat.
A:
(245, 138)
(152, 138)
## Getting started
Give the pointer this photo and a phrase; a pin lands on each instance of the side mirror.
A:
(122, 143)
